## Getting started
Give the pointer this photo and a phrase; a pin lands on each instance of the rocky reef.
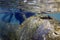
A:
(36, 27)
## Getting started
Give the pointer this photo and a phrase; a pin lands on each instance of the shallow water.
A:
(56, 16)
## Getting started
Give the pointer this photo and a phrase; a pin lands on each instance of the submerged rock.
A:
(29, 28)
(33, 28)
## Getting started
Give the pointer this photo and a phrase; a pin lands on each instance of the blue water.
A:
(56, 16)
(15, 16)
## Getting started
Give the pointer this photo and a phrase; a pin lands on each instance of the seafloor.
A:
(36, 27)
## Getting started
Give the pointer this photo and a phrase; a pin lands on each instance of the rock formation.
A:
(35, 28)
